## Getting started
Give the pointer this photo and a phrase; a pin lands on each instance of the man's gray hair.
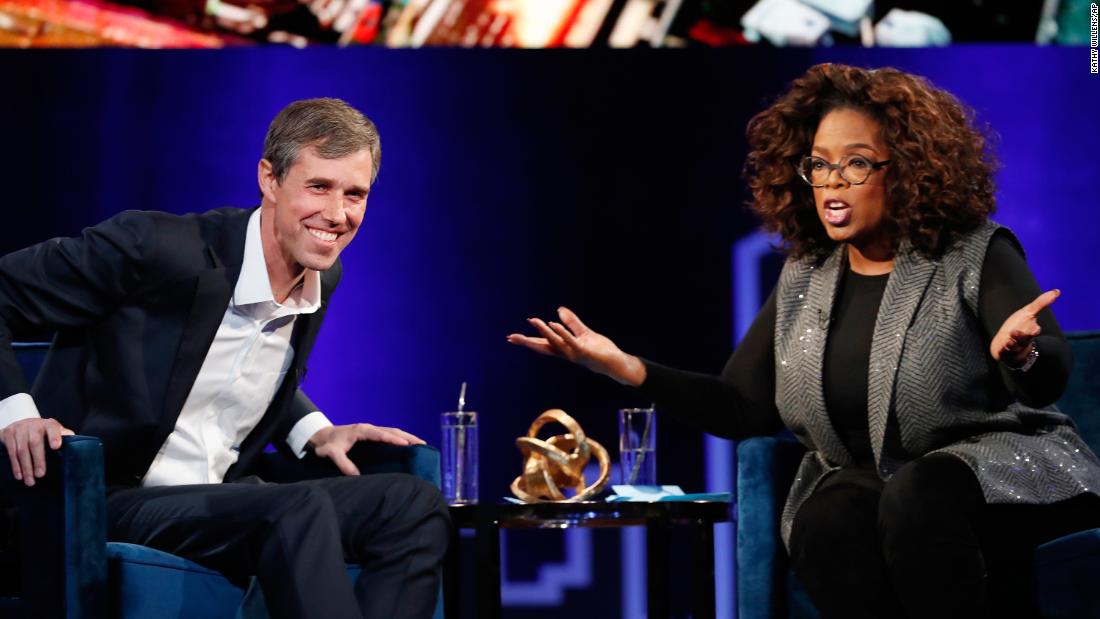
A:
(331, 126)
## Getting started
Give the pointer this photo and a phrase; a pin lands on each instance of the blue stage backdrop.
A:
(511, 183)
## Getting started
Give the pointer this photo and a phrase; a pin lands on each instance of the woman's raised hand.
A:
(1012, 342)
(572, 340)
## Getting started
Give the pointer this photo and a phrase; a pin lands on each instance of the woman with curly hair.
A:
(906, 345)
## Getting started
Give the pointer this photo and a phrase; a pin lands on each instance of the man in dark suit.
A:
(180, 344)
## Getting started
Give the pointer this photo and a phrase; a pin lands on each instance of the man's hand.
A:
(334, 442)
(26, 442)
(1013, 339)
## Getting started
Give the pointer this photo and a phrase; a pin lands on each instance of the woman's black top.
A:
(847, 356)
(741, 401)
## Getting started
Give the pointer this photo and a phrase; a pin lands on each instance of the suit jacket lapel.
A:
(213, 290)
(905, 288)
(212, 293)
(305, 334)
(823, 285)
(308, 325)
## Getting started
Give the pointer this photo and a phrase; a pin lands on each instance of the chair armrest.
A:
(419, 460)
(765, 468)
(62, 524)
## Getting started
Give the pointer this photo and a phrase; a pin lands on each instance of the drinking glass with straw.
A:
(638, 446)
(460, 453)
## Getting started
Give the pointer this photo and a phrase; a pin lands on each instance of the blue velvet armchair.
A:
(58, 563)
(1067, 569)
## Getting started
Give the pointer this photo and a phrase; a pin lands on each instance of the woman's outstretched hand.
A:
(1013, 340)
(572, 340)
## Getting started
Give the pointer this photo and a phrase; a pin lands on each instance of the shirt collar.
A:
(254, 285)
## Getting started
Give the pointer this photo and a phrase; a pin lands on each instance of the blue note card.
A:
(663, 493)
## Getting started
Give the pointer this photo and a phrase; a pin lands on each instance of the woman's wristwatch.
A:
(1029, 360)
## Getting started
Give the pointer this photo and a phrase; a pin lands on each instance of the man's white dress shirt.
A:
(243, 369)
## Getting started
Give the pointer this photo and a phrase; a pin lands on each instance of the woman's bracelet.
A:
(1029, 360)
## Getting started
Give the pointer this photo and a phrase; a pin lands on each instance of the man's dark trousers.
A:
(297, 537)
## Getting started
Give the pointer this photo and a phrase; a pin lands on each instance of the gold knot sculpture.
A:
(558, 462)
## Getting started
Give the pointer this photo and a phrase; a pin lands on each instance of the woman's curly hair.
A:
(939, 184)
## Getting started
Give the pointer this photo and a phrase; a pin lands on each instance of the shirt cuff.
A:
(303, 431)
(16, 407)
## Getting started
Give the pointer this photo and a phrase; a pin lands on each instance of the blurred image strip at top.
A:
(535, 23)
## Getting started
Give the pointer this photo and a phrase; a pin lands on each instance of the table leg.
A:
(450, 576)
(487, 540)
(702, 558)
(657, 574)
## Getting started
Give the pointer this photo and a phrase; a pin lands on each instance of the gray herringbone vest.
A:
(928, 383)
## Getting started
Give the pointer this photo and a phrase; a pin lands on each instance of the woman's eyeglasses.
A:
(855, 169)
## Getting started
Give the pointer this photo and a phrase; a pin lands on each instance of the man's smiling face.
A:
(316, 209)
